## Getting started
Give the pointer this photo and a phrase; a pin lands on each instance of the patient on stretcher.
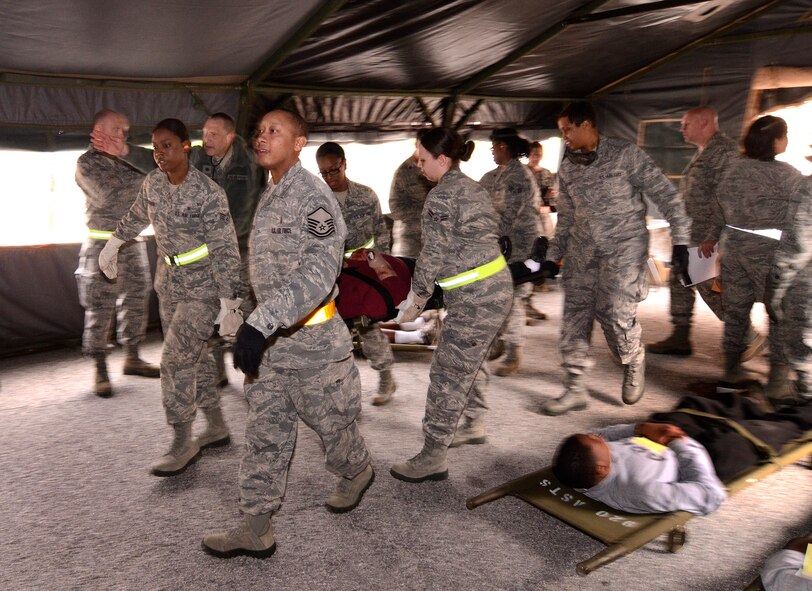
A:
(642, 468)
(676, 461)
(371, 283)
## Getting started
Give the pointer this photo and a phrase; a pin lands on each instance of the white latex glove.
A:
(410, 308)
(108, 257)
(230, 317)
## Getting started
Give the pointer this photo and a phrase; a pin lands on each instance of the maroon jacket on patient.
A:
(361, 293)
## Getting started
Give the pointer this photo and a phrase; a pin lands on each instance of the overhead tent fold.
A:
(371, 67)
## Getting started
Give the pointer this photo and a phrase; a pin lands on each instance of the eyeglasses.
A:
(332, 172)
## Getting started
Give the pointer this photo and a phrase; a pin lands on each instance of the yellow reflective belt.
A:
(184, 258)
(369, 244)
(320, 315)
(99, 234)
(475, 274)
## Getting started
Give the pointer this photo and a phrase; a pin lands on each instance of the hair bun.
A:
(467, 150)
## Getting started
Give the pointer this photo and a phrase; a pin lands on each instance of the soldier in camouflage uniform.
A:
(366, 229)
(406, 198)
(294, 348)
(755, 195)
(789, 287)
(546, 182)
(110, 188)
(461, 254)
(516, 201)
(602, 237)
(225, 158)
(197, 275)
(714, 155)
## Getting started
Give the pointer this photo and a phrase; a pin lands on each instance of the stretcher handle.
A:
(502, 490)
(667, 523)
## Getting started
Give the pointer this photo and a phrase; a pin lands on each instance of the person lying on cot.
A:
(372, 283)
(641, 468)
(677, 461)
(784, 570)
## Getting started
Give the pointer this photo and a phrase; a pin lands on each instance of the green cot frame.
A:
(623, 533)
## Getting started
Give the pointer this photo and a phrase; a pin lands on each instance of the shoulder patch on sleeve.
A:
(320, 223)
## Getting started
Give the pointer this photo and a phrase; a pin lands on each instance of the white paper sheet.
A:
(701, 269)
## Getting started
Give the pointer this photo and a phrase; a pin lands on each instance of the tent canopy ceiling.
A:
(375, 64)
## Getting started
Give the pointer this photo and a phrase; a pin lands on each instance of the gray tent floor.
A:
(80, 511)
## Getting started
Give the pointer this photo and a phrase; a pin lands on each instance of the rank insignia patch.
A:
(320, 223)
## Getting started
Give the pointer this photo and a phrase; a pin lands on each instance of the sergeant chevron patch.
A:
(320, 223)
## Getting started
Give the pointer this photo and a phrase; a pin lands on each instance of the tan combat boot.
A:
(135, 366)
(429, 464)
(676, 344)
(470, 433)
(216, 433)
(102, 387)
(386, 387)
(253, 538)
(574, 397)
(634, 380)
(184, 451)
(511, 362)
(348, 491)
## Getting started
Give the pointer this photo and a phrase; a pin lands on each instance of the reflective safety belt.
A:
(475, 274)
(99, 234)
(184, 258)
(369, 244)
(320, 315)
(773, 233)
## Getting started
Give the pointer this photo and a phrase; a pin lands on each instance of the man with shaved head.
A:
(110, 188)
(715, 152)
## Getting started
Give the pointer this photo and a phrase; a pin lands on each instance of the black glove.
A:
(248, 349)
(539, 249)
(505, 246)
(679, 263)
(550, 269)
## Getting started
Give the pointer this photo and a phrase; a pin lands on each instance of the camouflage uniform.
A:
(516, 200)
(698, 188)
(406, 198)
(754, 195)
(362, 215)
(307, 372)
(110, 188)
(460, 231)
(185, 217)
(602, 236)
(546, 182)
(242, 180)
(793, 264)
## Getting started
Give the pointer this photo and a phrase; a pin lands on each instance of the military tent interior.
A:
(370, 71)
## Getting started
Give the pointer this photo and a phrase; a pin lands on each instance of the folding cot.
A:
(623, 533)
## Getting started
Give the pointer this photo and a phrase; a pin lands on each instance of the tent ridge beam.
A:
(325, 11)
(399, 93)
(688, 47)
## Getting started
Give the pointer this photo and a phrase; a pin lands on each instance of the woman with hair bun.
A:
(755, 195)
(461, 254)
(516, 199)
(197, 281)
